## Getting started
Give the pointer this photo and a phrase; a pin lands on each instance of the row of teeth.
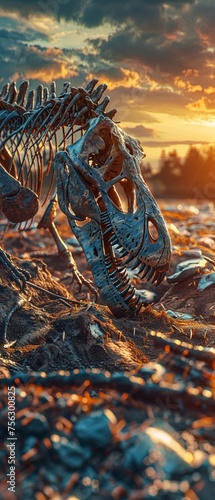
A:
(146, 271)
(121, 281)
(119, 276)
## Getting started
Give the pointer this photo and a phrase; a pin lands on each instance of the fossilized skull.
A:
(112, 212)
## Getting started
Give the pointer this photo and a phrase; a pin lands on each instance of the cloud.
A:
(28, 35)
(52, 8)
(34, 62)
(150, 49)
(166, 144)
(45, 64)
(186, 85)
(140, 131)
(203, 104)
(155, 56)
(116, 77)
(134, 102)
(164, 38)
(204, 14)
(93, 13)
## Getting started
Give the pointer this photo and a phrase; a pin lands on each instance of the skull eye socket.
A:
(92, 161)
(153, 231)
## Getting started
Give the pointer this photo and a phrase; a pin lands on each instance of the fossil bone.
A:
(112, 212)
(99, 184)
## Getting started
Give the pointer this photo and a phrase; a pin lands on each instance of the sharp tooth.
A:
(135, 301)
(135, 264)
(113, 273)
(113, 239)
(105, 219)
(123, 253)
(125, 290)
(107, 259)
(119, 285)
(107, 230)
(129, 259)
(117, 281)
(126, 281)
(161, 277)
(142, 267)
(129, 297)
(147, 268)
(150, 274)
(156, 275)
(138, 307)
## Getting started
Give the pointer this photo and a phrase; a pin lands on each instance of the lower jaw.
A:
(114, 285)
(117, 291)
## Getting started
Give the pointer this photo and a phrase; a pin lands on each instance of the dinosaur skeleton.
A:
(99, 184)
(29, 124)
(110, 209)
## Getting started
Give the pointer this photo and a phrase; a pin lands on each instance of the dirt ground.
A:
(166, 364)
(40, 315)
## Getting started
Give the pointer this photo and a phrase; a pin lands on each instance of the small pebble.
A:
(187, 269)
(193, 253)
(136, 453)
(37, 425)
(207, 242)
(94, 430)
(178, 315)
(71, 454)
(206, 281)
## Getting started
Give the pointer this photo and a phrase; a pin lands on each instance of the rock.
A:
(207, 242)
(178, 315)
(94, 430)
(38, 424)
(137, 452)
(193, 253)
(206, 281)
(71, 454)
(186, 269)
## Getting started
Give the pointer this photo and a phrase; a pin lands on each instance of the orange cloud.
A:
(204, 104)
(125, 78)
(56, 71)
(186, 85)
(209, 90)
(190, 72)
(45, 65)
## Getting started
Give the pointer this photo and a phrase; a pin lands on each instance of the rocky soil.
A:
(105, 407)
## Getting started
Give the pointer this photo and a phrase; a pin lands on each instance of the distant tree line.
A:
(190, 177)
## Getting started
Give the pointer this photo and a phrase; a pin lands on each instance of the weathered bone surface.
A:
(111, 211)
(17, 202)
(29, 125)
(99, 183)
(30, 120)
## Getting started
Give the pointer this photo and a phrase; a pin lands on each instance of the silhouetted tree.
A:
(194, 176)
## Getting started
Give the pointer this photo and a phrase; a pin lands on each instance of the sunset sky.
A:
(156, 57)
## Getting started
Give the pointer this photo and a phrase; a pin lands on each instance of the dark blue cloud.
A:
(95, 12)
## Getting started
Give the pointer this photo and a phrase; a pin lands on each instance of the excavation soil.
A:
(63, 352)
